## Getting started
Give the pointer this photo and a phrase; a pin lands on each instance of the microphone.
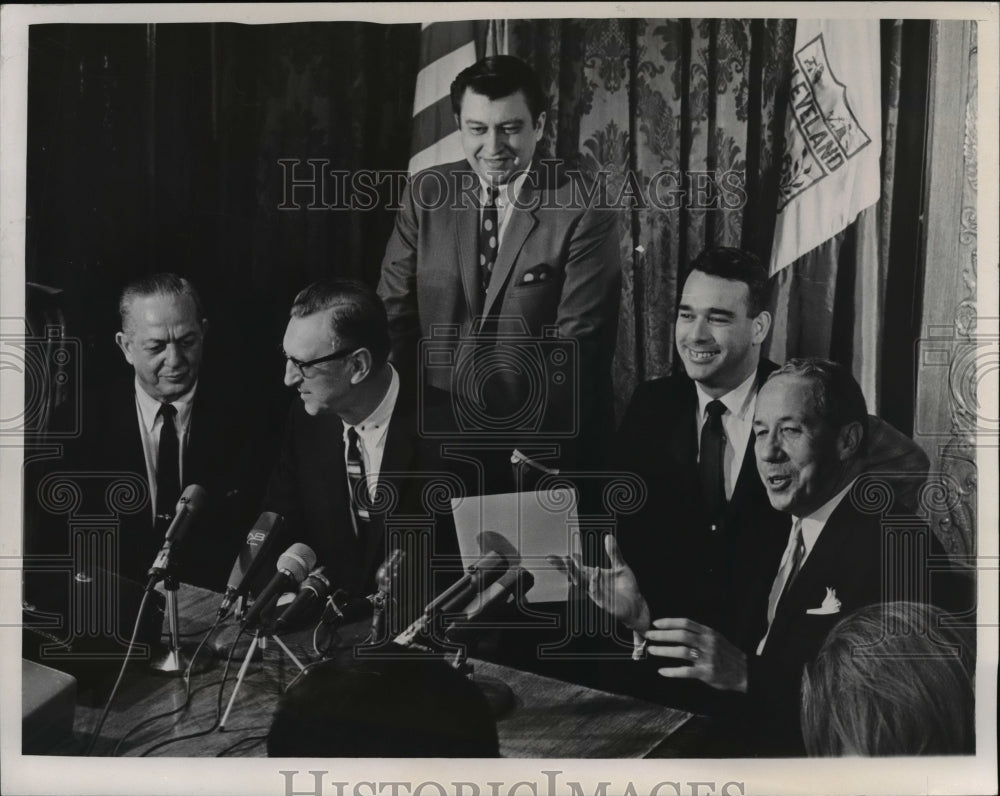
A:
(479, 575)
(515, 582)
(387, 573)
(341, 609)
(293, 566)
(314, 588)
(191, 502)
(251, 558)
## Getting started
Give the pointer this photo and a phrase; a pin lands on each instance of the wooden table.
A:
(550, 718)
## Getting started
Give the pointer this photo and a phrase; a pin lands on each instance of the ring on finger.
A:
(694, 653)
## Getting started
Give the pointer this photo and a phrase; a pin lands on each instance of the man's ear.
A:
(539, 126)
(849, 441)
(204, 327)
(361, 362)
(125, 345)
(759, 327)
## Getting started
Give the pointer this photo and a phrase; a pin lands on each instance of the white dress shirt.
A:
(150, 423)
(372, 432)
(737, 425)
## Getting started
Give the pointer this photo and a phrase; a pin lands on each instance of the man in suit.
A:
(810, 432)
(497, 260)
(352, 461)
(103, 510)
(167, 427)
(705, 541)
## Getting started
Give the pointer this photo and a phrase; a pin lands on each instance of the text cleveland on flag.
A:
(833, 140)
(446, 48)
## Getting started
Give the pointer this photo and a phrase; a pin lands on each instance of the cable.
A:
(256, 739)
(121, 674)
(218, 708)
(187, 695)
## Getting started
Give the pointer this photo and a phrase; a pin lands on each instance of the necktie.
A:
(710, 460)
(357, 482)
(168, 468)
(489, 237)
(789, 569)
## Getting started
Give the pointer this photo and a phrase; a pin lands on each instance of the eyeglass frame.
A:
(299, 365)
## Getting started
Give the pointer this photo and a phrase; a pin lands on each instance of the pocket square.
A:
(537, 274)
(830, 605)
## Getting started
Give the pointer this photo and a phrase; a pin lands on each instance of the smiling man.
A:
(497, 253)
(810, 434)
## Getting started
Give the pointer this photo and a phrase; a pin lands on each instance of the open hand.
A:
(614, 590)
(712, 657)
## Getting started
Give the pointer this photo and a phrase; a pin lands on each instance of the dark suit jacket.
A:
(105, 471)
(684, 568)
(866, 558)
(309, 489)
(430, 278)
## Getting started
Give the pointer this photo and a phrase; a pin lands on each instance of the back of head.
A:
(398, 706)
(358, 319)
(737, 265)
(499, 76)
(889, 680)
(836, 393)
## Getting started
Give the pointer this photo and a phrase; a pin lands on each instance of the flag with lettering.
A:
(833, 141)
(446, 48)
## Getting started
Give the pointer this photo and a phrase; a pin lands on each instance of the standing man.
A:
(351, 455)
(488, 252)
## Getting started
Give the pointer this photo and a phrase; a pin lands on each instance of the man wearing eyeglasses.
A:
(352, 459)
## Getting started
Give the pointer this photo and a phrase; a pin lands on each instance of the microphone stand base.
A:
(175, 662)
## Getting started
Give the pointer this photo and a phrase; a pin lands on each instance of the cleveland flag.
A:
(833, 141)
(446, 48)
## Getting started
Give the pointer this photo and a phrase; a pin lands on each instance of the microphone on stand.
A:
(478, 576)
(384, 579)
(191, 502)
(513, 584)
(251, 558)
(293, 566)
(314, 589)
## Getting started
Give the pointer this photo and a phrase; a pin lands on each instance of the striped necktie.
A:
(357, 482)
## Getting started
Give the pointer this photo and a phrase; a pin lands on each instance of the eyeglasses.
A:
(306, 369)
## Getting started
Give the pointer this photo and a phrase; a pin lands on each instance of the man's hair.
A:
(838, 396)
(358, 318)
(164, 284)
(737, 265)
(398, 706)
(496, 77)
(889, 680)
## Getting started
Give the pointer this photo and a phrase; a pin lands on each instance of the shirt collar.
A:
(737, 400)
(376, 424)
(149, 407)
(508, 189)
(813, 524)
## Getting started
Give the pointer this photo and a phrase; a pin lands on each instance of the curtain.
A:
(692, 111)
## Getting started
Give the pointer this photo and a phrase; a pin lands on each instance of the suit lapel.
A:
(519, 226)
(467, 240)
(809, 586)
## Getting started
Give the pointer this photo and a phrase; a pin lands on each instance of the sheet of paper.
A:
(537, 524)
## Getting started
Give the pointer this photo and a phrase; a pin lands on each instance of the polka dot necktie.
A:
(489, 240)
